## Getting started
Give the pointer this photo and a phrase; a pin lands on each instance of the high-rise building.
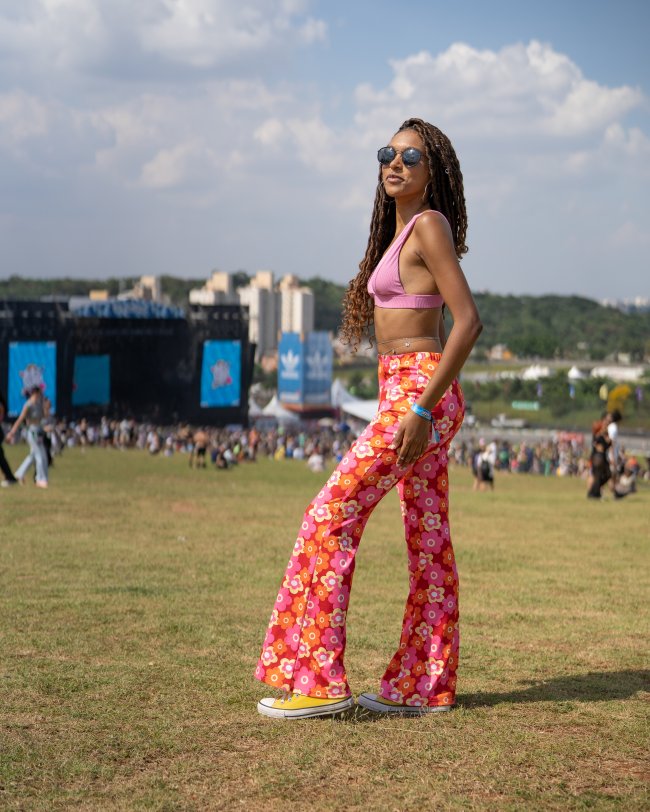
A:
(296, 306)
(262, 301)
(219, 289)
(272, 309)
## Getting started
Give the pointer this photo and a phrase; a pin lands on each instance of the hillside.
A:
(570, 327)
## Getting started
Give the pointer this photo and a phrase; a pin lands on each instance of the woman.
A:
(9, 479)
(600, 472)
(410, 269)
(33, 413)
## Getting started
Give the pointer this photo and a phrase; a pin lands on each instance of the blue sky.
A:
(178, 136)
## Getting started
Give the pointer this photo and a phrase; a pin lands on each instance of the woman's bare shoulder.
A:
(433, 220)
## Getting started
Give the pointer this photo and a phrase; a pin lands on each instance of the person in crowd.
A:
(485, 467)
(477, 451)
(614, 449)
(9, 478)
(626, 483)
(316, 462)
(32, 415)
(199, 449)
(600, 472)
(410, 269)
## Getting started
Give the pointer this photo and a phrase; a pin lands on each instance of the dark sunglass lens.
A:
(411, 156)
(385, 155)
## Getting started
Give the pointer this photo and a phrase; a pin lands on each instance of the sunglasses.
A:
(410, 156)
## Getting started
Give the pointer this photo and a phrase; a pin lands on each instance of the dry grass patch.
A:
(133, 599)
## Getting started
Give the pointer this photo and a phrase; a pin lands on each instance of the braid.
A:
(444, 194)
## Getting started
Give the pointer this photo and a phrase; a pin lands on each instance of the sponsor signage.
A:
(526, 405)
(305, 368)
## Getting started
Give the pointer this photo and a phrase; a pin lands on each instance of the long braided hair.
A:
(444, 194)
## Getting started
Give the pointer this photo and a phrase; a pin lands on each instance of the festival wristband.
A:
(420, 411)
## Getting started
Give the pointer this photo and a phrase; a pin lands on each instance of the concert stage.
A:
(129, 359)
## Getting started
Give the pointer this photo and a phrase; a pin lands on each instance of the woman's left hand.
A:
(411, 439)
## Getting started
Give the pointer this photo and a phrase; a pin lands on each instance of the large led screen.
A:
(221, 374)
(31, 363)
(92, 380)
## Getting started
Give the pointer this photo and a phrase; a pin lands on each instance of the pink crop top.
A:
(385, 285)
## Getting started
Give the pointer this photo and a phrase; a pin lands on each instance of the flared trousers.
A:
(304, 646)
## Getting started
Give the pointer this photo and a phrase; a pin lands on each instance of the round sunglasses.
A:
(410, 156)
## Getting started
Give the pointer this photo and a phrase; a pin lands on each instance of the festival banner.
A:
(318, 368)
(31, 363)
(92, 380)
(221, 374)
(305, 369)
(290, 368)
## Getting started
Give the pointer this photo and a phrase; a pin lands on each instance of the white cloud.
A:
(133, 39)
(520, 90)
(541, 145)
(270, 132)
(174, 167)
(22, 117)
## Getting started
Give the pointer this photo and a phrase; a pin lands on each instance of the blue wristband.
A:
(420, 411)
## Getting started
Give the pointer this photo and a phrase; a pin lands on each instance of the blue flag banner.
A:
(290, 368)
(92, 380)
(31, 363)
(305, 368)
(318, 368)
(221, 374)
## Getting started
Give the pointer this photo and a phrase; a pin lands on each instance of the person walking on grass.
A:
(32, 414)
(410, 270)
(9, 478)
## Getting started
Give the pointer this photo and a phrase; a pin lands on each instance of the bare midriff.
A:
(398, 331)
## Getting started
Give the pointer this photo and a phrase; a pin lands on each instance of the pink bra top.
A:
(385, 285)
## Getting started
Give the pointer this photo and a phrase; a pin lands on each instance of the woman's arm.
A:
(436, 249)
(21, 417)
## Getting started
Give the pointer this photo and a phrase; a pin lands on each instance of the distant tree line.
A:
(570, 327)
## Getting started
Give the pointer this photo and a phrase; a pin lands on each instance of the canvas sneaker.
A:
(377, 704)
(298, 706)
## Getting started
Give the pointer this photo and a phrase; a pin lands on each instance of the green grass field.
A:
(134, 594)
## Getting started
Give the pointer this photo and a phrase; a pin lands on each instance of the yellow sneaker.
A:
(298, 706)
(377, 704)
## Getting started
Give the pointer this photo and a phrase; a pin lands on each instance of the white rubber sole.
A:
(265, 707)
(371, 703)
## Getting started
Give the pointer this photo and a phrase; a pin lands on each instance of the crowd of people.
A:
(605, 461)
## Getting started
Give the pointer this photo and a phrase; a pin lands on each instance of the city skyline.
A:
(173, 138)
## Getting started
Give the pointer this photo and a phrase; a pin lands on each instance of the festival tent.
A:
(575, 374)
(535, 372)
(350, 404)
(276, 410)
(253, 409)
(362, 409)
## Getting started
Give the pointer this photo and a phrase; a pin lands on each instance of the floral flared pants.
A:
(305, 642)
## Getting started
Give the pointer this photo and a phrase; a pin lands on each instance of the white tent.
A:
(362, 409)
(253, 409)
(535, 372)
(339, 394)
(350, 404)
(575, 374)
(275, 409)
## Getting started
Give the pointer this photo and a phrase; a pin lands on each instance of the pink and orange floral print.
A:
(305, 643)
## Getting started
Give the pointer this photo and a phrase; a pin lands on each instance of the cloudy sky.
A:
(178, 136)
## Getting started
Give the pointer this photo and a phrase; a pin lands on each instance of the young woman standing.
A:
(410, 270)
(32, 414)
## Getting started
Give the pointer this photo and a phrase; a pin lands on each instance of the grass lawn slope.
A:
(134, 594)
